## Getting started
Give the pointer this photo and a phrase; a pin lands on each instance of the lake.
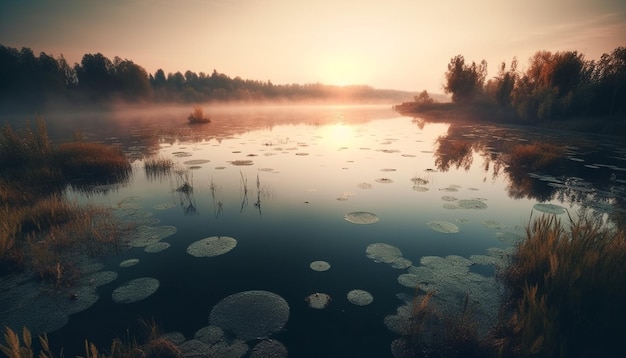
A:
(389, 202)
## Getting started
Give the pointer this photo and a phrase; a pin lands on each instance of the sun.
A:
(340, 70)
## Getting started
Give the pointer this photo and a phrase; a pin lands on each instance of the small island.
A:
(197, 116)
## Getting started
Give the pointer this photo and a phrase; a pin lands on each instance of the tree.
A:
(424, 98)
(500, 88)
(610, 78)
(132, 81)
(465, 81)
(96, 75)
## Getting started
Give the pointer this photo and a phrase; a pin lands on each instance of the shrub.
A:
(197, 116)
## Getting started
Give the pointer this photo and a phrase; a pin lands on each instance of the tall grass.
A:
(566, 291)
(197, 116)
(18, 149)
(157, 167)
(155, 346)
(78, 160)
(46, 237)
(40, 230)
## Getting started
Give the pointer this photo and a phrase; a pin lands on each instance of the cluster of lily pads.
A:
(320, 300)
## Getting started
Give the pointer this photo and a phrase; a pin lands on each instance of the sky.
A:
(391, 44)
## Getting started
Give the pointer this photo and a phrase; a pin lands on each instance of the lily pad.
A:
(472, 204)
(549, 208)
(318, 300)
(360, 297)
(157, 247)
(319, 266)
(129, 263)
(135, 290)
(445, 227)
(361, 217)
(251, 314)
(212, 246)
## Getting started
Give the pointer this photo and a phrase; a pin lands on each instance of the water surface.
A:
(280, 180)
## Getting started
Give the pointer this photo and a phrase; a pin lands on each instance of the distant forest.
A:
(554, 86)
(30, 82)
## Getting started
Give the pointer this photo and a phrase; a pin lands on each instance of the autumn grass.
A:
(155, 346)
(157, 167)
(566, 291)
(81, 160)
(40, 231)
(197, 116)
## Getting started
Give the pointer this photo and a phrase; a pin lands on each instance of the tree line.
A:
(554, 86)
(32, 81)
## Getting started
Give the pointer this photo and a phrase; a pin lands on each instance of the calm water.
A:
(309, 166)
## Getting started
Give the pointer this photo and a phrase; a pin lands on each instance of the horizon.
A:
(400, 45)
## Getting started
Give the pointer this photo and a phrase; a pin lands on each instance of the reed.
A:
(40, 230)
(21, 148)
(157, 167)
(197, 116)
(78, 160)
(566, 290)
(154, 346)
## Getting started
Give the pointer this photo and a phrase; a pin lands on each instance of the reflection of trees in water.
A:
(454, 152)
(539, 170)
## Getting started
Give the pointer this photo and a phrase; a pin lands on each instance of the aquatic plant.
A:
(197, 116)
(445, 227)
(155, 346)
(184, 182)
(318, 300)
(319, 266)
(361, 217)
(95, 161)
(565, 290)
(360, 297)
(157, 167)
(37, 237)
(135, 290)
(15, 349)
(385, 253)
(18, 149)
(39, 226)
(549, 208)
(269, 348)
(212, 246)
(251, 314)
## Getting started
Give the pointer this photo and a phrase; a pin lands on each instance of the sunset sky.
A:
(398, 44)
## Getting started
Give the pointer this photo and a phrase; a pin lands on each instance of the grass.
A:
(157, 167)
(82, 160)
(566, 291)
(154, 346)
(197, 116)
(566, 288)
(40, 231)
